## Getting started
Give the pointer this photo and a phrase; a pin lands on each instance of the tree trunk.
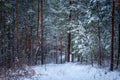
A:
(61, 48)
(37, 35)
(31, 47)
(112, 39)
(100, 54)
(99, 39)
(92, 59)
(72, 57)
(56, 55)
(17, 20)
(69, 45)
(78, 58)
(42, 33)
(69, 37)
(9, 48)
(17, 39)
(119, 4)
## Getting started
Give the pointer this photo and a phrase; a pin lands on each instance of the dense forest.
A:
(38, 32)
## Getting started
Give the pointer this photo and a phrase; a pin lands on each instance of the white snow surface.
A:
(72, 71)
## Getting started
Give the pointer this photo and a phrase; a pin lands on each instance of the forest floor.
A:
(72, 71)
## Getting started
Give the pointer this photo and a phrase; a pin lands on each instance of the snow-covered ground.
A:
(72, 71)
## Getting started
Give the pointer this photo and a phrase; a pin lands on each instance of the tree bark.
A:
(100, 54)
(112, 39)
(78, 57)
(69, 37)
(37, 35)
(119, 4)
(42, 34)
(72, 57)
(69, 45)
(17, 20)
(56, 55)
(99, 39)
(61, 49)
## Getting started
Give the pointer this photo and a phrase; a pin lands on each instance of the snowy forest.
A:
(59, 39)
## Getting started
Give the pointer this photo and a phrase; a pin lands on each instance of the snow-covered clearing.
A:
(72, 71)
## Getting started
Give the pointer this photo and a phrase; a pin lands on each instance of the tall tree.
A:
(42, 32)
(17, 20)
(37, 35)
(99, 36)
(112, 39)
(69, 36)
